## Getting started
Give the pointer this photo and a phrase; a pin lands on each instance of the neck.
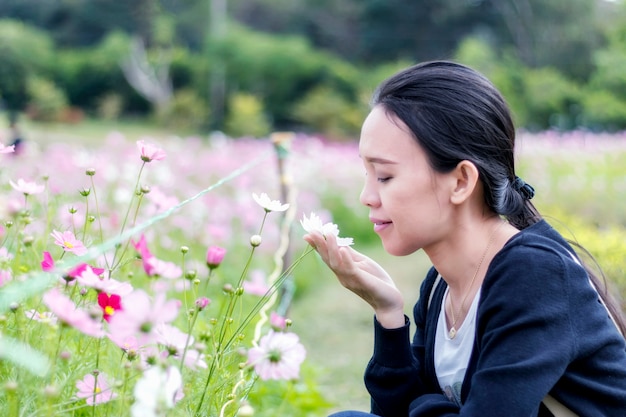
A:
(459, 257)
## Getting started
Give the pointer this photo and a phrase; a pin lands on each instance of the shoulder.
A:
(538, 259)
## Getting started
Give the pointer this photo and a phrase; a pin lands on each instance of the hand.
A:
(362, 276)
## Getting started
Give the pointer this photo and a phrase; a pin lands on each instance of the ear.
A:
(465, 179)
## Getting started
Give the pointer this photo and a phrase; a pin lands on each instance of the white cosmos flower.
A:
(156, 392)
(269, 205)
(314, 223)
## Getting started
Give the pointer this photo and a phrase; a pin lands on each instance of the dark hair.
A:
(456, 114)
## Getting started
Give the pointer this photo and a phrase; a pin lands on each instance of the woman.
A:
(514, 323)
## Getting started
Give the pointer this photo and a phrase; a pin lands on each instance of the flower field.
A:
(159, 277)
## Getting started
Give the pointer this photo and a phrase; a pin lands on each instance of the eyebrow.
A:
(374, 160)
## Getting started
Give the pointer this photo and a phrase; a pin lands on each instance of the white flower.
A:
(269, 205)
(314, 223)
(156, 392)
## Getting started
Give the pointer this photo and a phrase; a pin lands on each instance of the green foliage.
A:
(89, 75)
(246, 117)
(23, 50)
(553, 100)
(301, 398)
(604, 110)
(326, 111)
(606, 245)
(186, 112)
(47, 102)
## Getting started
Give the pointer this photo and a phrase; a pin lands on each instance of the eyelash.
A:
(383, 180)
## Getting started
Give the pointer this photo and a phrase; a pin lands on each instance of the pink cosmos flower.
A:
(150, 152)
(95, 391)
(6, 149)
(278, 356)
(47, 264)
(215, 256)
(88, 278)
(67, 312)
(257, 285)
(27, 187)
(68, 242)
(141, 316)
(164, 269)
(142, 247)
(6, 275)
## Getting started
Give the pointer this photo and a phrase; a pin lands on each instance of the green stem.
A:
(95, 197)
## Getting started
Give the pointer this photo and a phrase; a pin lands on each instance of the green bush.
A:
(324, 110)
(187, 112)
(246, 117)
(552, 99)
(47, 102)
(24, 50)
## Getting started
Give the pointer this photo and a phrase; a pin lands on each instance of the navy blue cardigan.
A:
(539, 329)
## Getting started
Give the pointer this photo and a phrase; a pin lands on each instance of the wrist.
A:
(390, 319)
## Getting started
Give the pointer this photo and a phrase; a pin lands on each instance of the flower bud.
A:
(184, 249)
(228, 288)
(145, 189)
(85, 192)
(10, 386)
(202, 303)
(190, 274)
(72, 210)
(14, 306)
(245, 410)
(255, 240)
(214, 256)
(90, 172)
(28, 241)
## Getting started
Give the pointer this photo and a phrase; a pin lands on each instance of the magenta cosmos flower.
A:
(68, 242)
(150, 152)
(278, 356)
(95, 391)
(27, 187)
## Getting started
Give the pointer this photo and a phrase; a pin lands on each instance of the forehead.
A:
(384, 137)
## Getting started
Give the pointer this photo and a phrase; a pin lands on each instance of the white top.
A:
(453, 355)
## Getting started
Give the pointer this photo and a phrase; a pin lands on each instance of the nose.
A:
(369, 197)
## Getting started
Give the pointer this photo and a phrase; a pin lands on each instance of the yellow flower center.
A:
(68, 245)
(97, 389)
(108, 310)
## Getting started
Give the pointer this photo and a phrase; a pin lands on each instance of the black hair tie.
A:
(522, 187)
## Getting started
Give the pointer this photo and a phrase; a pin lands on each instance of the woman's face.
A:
(407, 202)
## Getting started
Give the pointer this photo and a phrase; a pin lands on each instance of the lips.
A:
(380, 224)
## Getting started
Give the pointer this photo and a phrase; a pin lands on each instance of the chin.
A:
(398, 250)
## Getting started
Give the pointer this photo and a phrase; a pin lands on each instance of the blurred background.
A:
(72, 71)
(249, 67)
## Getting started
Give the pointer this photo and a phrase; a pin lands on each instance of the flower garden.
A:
(158, 277)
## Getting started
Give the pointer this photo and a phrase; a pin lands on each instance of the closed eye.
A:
(383, 179)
